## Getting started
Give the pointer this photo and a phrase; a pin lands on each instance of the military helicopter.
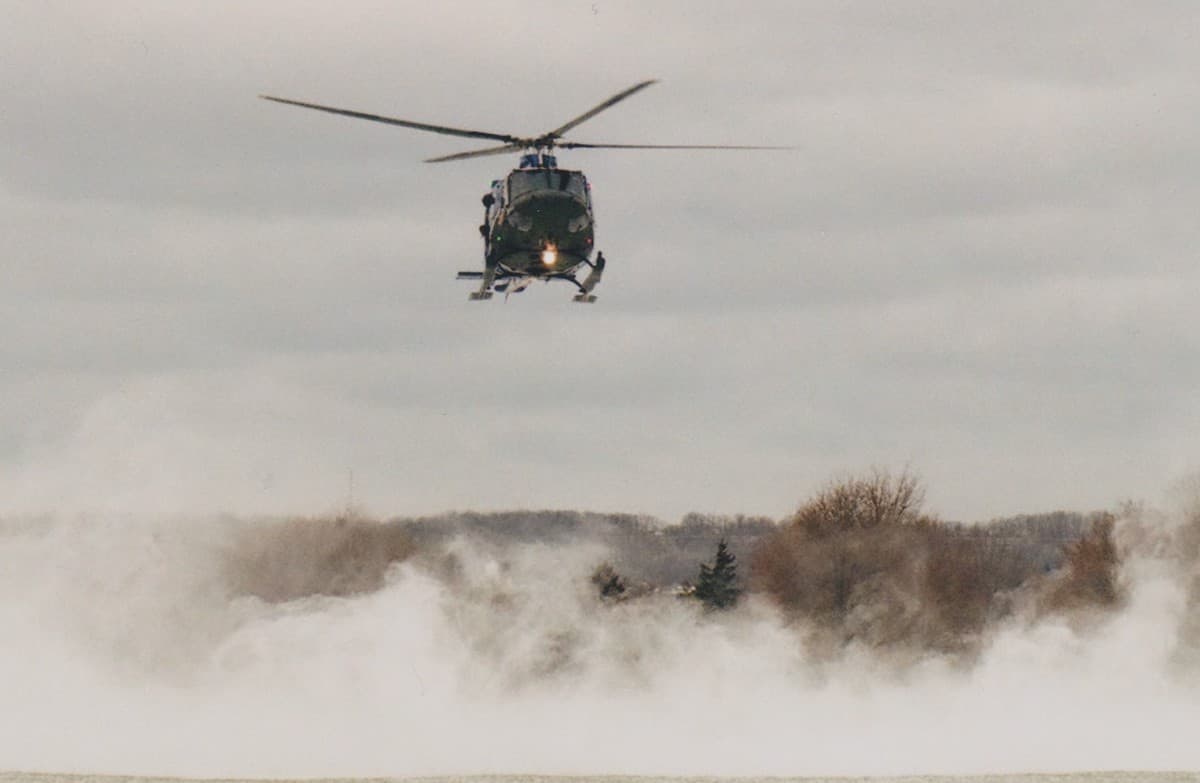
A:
(538, 222)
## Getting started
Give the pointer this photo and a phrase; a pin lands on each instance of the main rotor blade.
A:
(582, 145)
(477, 153)
(472, 134)
(593, 112)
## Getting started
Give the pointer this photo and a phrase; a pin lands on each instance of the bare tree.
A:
(864, 502)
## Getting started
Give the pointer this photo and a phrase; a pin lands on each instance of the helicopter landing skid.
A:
(591, 281)
(487, 276)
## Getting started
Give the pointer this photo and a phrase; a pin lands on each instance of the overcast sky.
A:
(980, 263)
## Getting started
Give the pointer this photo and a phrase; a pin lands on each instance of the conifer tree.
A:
(717, 587)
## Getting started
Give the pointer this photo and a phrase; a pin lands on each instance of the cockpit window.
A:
(522, 182)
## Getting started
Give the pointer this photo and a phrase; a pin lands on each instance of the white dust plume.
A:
(177, 646)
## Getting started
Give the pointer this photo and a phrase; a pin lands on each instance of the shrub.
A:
(608, 582)
(1089, 575)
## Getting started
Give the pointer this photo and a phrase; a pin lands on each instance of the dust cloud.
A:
(219, 646)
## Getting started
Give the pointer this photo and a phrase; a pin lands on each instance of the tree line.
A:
(859, 561)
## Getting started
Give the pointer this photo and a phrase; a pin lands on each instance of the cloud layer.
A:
(979, 262)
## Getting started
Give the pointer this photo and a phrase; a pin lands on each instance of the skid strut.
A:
(486, 278)
(591, 281)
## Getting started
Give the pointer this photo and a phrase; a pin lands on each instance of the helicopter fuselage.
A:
(538, 222)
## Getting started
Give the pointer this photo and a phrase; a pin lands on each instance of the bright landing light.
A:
(550, 255)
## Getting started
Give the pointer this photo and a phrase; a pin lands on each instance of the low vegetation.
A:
(337, 555)
(861, 562)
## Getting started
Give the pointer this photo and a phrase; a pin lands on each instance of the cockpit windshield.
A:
(526, 180)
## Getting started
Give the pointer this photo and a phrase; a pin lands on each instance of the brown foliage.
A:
(963, 582)
(863, 503)
(296, 558)
(847, 559)
(1089, 576)
(1187, 551)
(862, 562)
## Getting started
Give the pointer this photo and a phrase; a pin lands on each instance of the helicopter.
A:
(538, 222)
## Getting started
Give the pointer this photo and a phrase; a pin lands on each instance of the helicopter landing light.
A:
(550, 255)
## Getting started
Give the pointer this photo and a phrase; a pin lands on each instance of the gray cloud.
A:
(980, 262)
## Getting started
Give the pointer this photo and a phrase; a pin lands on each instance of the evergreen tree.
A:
(717, 586)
